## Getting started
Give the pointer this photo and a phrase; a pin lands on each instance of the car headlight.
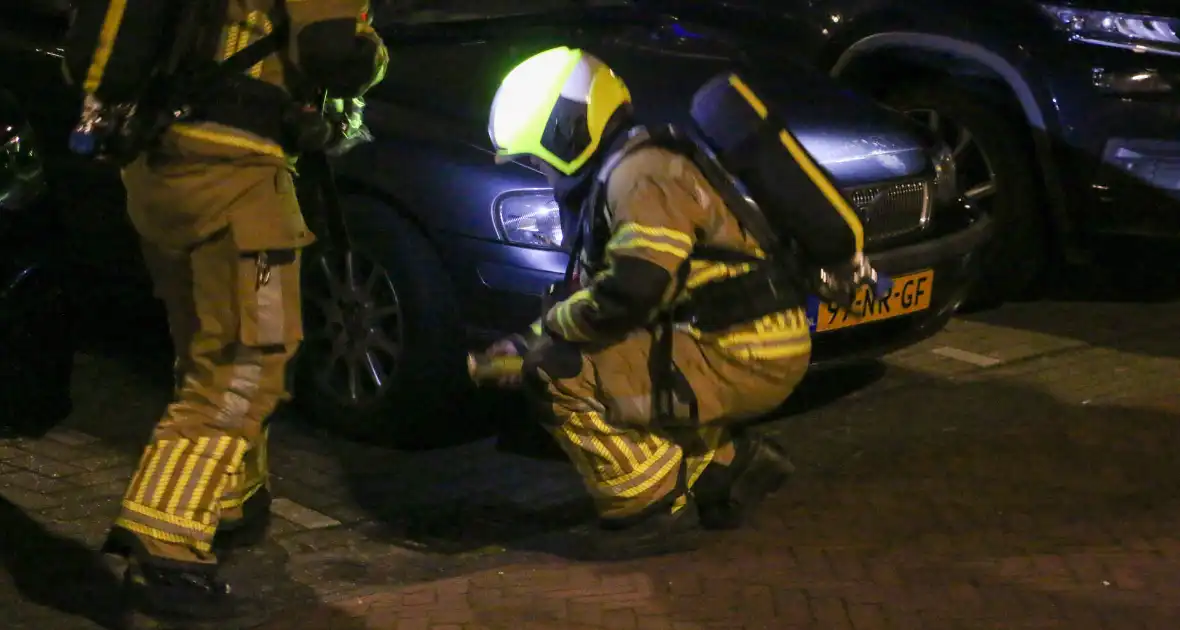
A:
(529, 217)
(1115, 29)
(946, 185)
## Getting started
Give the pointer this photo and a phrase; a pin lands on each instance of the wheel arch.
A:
(883, 56)
(353, 187)
(350, 187)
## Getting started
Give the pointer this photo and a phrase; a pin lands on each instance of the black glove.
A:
(347, 119)
(307, 129)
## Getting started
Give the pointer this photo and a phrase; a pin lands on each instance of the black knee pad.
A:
(535, 387)
(559, 360)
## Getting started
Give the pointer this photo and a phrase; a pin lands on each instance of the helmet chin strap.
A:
(579, 202)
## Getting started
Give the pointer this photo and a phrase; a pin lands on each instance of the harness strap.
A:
(663, 373)
(220, 92)
(211, 73)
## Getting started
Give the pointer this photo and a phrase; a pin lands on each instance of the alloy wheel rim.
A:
(354, 328)
(975, 176)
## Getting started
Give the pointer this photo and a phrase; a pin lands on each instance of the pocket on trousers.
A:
(268, 295)
(268, 232)
(267, 216)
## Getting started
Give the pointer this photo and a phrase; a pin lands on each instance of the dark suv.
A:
(1063, 114)
(450, 250)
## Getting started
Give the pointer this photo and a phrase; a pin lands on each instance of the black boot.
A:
(726, 495)
(173, 598)
(248, 531)
(653, 532)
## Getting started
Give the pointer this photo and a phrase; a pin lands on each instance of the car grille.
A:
(892, 210)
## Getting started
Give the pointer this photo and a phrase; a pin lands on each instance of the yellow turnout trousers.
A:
(600, 402)
(221, 241)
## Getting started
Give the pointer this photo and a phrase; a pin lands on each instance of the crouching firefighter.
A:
(688, 314)
(206, 106)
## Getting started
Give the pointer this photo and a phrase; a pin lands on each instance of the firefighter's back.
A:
(772, 342)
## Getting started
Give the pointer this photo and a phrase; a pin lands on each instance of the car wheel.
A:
(37, 347)
(382, 356)
(994, 169)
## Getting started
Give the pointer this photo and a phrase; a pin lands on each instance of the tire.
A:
(1014, 262)
(37, 347)
(425, 379)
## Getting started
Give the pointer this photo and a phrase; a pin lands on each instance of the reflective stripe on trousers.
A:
(207, 454)
(627, 470)
(601, 416)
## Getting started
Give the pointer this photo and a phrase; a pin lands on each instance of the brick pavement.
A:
(1068, 521)
(1039, 492)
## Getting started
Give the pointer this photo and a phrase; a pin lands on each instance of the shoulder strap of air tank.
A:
(247, 57)
(203, 73)
(746, 211)
(594, 198)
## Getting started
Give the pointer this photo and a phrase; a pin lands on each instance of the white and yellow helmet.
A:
(555, 106)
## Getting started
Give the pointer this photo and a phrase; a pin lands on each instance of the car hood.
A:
(858, 141)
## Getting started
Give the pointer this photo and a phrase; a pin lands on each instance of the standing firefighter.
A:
(678, 328)
(212, 199)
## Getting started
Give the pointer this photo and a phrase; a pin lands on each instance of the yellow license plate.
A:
(910, 294)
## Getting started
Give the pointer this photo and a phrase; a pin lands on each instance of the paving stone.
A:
(30, 500)
(9, 451)
(71, 437)
(303, 516)
(43, 465)
(305, 495)
(102, 462)
(50, 448)
(281, 527)
(120, 475)
(34, 482)
(307, 541)
(88, 506)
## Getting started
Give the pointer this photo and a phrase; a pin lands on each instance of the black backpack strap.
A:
(745, 210)
(747, 214)
(245, 58)
(594, 199)
(781, 263)
(205, 75)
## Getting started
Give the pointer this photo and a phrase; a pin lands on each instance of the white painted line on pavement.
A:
(304, 517)
(70, 437)
(967, 357)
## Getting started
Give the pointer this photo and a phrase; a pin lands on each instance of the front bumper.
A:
(952, 258)
(502, 286)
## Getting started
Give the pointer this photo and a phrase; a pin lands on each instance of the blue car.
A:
(450, 251)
